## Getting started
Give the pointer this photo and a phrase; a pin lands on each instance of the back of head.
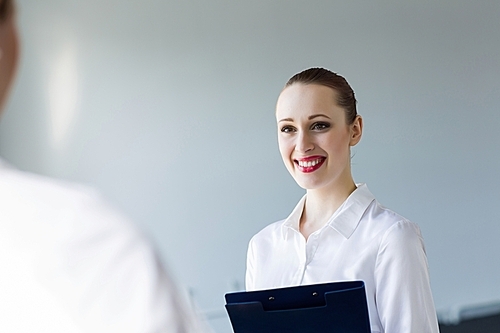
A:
(5, 9)
(8, 48)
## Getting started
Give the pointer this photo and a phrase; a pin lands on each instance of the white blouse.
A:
(361, 241)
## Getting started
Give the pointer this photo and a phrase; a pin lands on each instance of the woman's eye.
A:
(320, 126)
(287, 129)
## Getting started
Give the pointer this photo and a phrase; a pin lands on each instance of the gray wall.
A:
(167, 107)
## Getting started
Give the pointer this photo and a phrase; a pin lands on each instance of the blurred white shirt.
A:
(71, 263)
(362, 241)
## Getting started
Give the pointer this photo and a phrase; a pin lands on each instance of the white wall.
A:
(167, 107)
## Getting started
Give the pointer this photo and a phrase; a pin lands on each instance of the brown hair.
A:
(5, 9)
(325, 77)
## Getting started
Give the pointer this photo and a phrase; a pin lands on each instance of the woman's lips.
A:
(310, 164)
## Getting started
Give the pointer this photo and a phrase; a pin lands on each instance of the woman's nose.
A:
(304, 143)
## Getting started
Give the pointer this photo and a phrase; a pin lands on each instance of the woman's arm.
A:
(250, 271)
(403, 292)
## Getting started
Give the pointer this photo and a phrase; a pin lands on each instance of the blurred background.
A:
(167, 107)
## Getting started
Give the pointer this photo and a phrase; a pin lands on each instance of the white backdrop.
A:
(168, 108)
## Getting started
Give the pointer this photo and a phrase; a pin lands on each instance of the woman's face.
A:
(8, 56)
(313, 136)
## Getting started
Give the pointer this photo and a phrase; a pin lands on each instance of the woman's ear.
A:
(356, 130)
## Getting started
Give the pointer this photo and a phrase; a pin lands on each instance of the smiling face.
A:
(314, 137)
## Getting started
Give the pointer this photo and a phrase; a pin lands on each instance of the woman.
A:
(338, 231)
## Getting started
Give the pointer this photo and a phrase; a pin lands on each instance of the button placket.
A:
(311, 247)
(301, 248)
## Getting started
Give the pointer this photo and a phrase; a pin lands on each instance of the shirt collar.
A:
(345, 220)
(292, 221)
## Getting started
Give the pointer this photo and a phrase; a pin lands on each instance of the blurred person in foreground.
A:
(68, 261)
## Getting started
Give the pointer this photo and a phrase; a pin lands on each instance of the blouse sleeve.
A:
(403, 292)
(250, 271)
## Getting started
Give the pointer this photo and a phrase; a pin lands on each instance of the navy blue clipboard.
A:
(337, 307)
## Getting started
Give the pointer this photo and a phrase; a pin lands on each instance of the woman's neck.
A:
(320, 205)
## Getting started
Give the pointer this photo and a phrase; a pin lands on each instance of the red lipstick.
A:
(309, 164)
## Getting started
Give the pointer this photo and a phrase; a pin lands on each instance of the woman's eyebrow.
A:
(309, 118)
(318, 115)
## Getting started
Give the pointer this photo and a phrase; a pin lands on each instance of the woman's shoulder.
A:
(391, 225)
(270, 232)
(383, 215)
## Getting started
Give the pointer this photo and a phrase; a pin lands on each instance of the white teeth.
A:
(308, 164)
